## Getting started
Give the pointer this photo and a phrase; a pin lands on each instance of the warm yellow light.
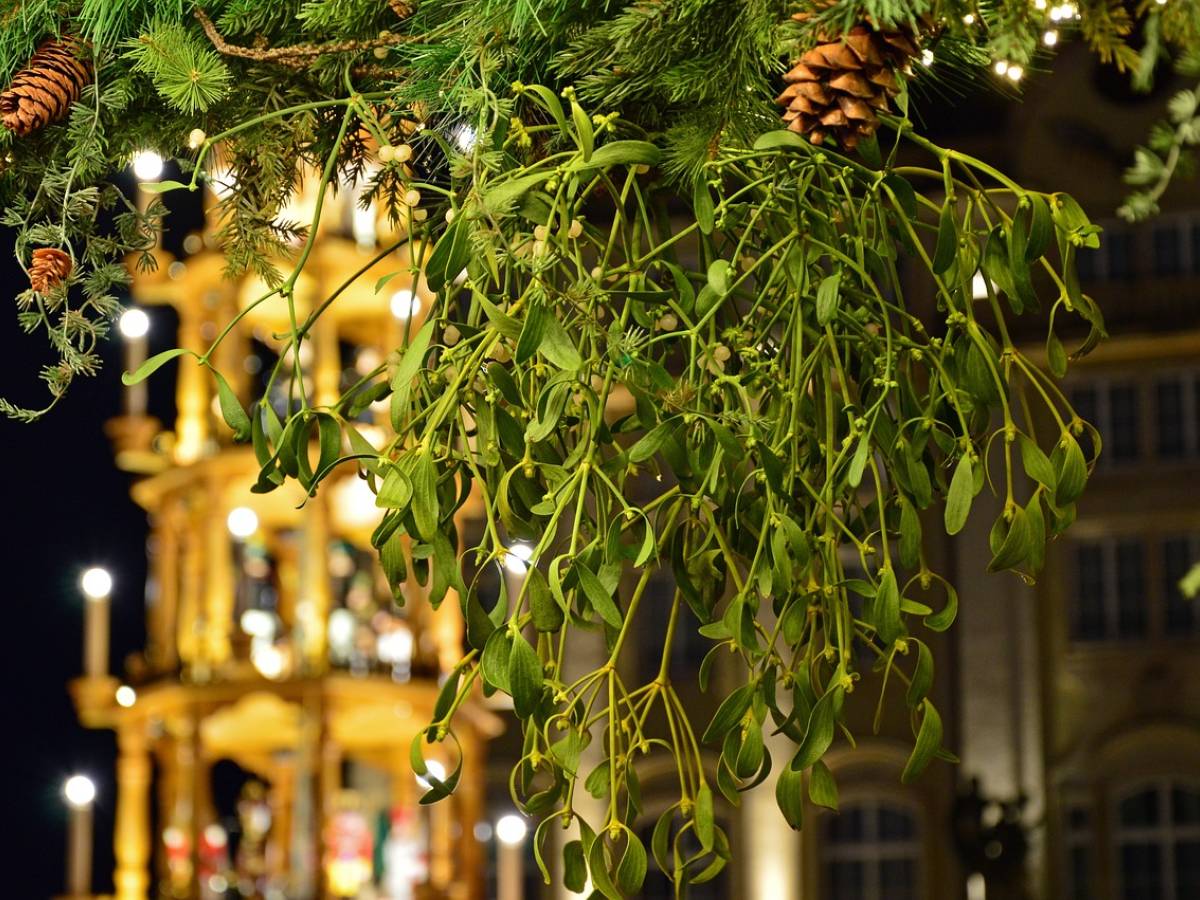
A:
(511, 829)
(267, 659)
(516, 560)
(1050, 38)
(405, 304)
(126, 696)
(96, 583)
(134, 323)
(147, 165)
(80, 791)
(242, 522)
(435, 769)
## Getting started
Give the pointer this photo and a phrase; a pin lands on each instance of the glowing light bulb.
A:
(433, 768)
(96, 583)
(405, 304)
(147, 165)
(1050, 38)
(242, 522)
(1015, 73)
(969, 19)
(80, 791)
(1000, 67)
(511, 829)
(516, 558)
(125, 696)
(927, 57)
(134, 323)
(267, 658)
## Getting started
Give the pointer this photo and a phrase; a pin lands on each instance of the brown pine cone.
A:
(42, 92)
(836, 88)
(48, 268)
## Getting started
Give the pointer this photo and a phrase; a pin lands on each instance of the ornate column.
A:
(218, 581)
(192, 397)
(131, 832)
(189, 625)
(312, 608)
(770, 849)
(469, 798)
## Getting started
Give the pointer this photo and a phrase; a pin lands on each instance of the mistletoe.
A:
(743, 400)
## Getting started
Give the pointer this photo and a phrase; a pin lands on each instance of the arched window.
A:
(1157, 838)
(871, 850)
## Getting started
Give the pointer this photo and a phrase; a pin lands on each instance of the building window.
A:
(1127, 588)
(871, 851)
(1168, 250)
(1158, 842)
(1110, 591)
(1166, 408)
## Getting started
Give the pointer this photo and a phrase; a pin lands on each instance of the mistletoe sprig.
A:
(748, 398)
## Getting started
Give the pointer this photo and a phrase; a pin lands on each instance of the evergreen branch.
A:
(296, 56)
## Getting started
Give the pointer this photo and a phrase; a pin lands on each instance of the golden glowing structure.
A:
(273, 639)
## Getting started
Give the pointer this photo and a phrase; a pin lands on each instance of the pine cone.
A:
(44, 90)
(836, 88)
(48, 269)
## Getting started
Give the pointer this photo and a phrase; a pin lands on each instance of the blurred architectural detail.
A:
(275, 649)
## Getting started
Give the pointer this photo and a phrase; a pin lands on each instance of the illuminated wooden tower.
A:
(273, 640)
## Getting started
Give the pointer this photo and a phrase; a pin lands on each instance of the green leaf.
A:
(558, 348)
(781, 139)
(425, 500)
(585, 135)
(1036, 463)
(162, 187)
(922, 678)
(1071, 469)
(651, 442)
(719, 276)
(789, 795)
(858, 463)
(947, 240)
(152, 365)
(819, 733)
(494, 664)
(702, 205)
(704, 817)
(547, 615)
(822, 789)
(960, 495)
(827, 298)
(396, 490)
(450, 255)
(729, 713)
(1041, 227)
(887, 607)
(574, 867)
(910, 535)
(231, 409)
(929, 739)
(1016, 545)
(531, 333)
(1056, 355)
(625, 153)
(631, 871)
(524, 676)
(598, 596)
(500, 196)
(414, 357)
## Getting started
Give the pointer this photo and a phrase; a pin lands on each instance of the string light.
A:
(405, 304)
(242, 522)
(134, 323)
(1015, 73)
(96, 583)
(147, 165)
(125, 696)
(927, 57)
(80, 791)
(1050, 38)
(1000, 67)
(511, 829)
(969, 19)
(516, 560)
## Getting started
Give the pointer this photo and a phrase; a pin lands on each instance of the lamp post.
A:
(134, 325)
(80, 792)
(97, 591)
(510, 857)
